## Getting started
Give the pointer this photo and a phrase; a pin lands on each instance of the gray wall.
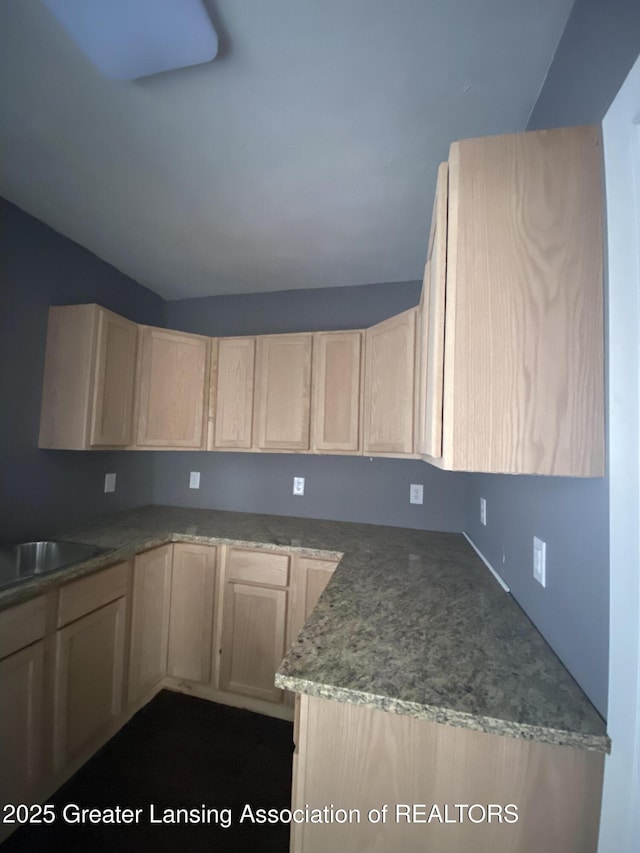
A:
(597, 49)
(596, 52)
(41, 490)
(346, 488)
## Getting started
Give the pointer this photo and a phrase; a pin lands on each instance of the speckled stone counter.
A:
(412, 622)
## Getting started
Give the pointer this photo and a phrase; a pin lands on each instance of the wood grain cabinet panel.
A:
(150, 620)
(253, 638)
(21, 724)
(171, 389)
(522, 364)
(431, 320)
(363, 757)
(232, 390)
(309, 579)
(389, 385)
(88, 681)
(191, 615)
(88, 386)
(283, 392)
(335, 421)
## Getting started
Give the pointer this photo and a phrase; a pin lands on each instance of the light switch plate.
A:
(540, 561)
(298, 485)
(415, 493)
(109, 482)
(194, 480)
(483, 511)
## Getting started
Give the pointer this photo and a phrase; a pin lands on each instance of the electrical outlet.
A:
(298, 485)
(415, 493)
(194, 480)
(540, 561)
(483, 511)
(109, 482)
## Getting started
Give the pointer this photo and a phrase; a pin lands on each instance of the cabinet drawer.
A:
(22, 625)
(263, 567)
(83, 596)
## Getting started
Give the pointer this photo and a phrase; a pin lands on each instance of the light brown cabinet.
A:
(252, 636)
(283, 392)
(366, 757)
(88, 386)
(21, 724)
(231, 395)
(88, 682)
(335, 423)
(89, 663)
(149, 620)
(519, 377)
(390, 355)
(191, 614)
(171, 390)
(308, 581)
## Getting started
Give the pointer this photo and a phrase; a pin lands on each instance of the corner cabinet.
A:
(171, 390)
(252, 636)
(337, 393)
(390, 353)
(88, 386)
(283, 392)
(513, 324)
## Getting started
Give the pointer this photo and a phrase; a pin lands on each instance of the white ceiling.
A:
(303, 156)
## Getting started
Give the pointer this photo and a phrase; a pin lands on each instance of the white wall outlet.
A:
(483, 511)
(194, 480)
(415, 493)
(109, 482)
(540, 561)
(298, 485)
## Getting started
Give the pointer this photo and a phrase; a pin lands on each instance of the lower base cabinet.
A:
(21, 723)
(193, 581)
(88, 682)
(471, 784)
(149, 620)
(252, 640)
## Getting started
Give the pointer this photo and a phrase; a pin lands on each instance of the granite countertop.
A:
(412, 622)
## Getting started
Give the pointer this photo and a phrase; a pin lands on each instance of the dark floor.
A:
(177, 752)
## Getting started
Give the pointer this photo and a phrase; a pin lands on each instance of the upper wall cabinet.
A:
(335, 422)
(517, 386)
(87, 395)
(283, 392)
(231, 393)
(171, 389)
(389, 386)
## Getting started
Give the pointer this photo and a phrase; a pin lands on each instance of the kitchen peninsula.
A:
(412, 632)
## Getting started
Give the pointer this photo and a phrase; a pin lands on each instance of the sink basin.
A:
(19, 562)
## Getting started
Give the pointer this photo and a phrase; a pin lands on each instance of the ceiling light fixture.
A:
(126, 39)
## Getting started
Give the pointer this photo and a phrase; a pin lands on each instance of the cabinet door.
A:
(431, 326)
(524, 310)
(112, 405)
(389, 385)
(308, 581)
(336, 391)
(283, 392)
(88, 681)
(21, 723)
(68, 377)
(149, 620)
(252, 640)
(191, 615)
(172, 369)
(234, 393)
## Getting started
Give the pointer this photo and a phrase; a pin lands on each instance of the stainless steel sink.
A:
(19, 562)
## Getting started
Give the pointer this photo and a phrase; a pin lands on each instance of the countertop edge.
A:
(459, 719)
